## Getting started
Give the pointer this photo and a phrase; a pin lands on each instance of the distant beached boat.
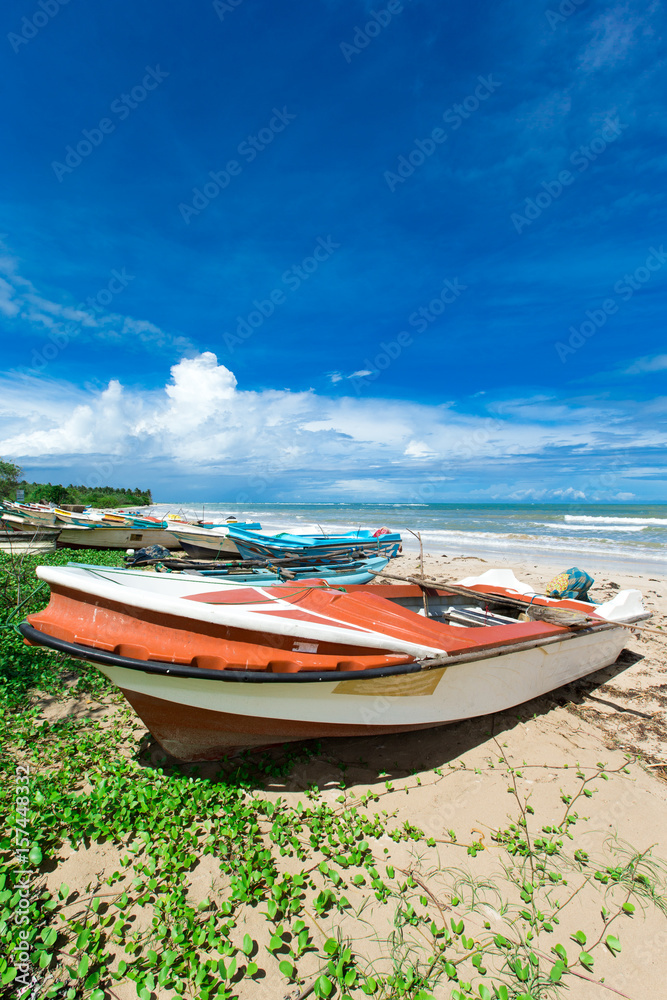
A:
(342, 573)
(255, 543)
(33, 513)
(211, 669)
(203, 541)
(77, 536)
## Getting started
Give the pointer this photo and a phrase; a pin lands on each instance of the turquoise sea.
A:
(622, 536)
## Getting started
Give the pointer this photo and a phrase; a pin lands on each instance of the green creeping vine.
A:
(308, 892)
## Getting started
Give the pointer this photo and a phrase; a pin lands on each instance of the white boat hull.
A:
(204, 719)
(211, 669)
(115, 538)
(206, 543)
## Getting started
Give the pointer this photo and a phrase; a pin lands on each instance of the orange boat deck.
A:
(150, 635)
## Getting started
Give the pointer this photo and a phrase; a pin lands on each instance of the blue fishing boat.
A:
(251, 544)
(334, 574)
(210, 541)
(345, 573)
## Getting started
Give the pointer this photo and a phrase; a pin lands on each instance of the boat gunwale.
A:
(112, 590)
(36, 637)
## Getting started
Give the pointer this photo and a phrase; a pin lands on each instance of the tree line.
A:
(94, 496)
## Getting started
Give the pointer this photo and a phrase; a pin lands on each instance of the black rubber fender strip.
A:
(37, 638)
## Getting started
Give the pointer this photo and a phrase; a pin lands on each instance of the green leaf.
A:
(586, 960)
(451, 970)
(628, 908)
(253, 968)
(613, 944)
(286, 968)
(556, 973)
(560, 951)
(247, 945)
(323, 986)
(484, 992)
(502, 992)
(331, 946)
(579, 937)
(35, 854)
(82, 968)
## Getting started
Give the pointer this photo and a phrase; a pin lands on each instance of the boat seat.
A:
(471, 616)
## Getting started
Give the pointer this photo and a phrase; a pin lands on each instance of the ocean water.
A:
(632, 537)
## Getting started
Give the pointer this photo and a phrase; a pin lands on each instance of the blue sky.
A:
(336, 251)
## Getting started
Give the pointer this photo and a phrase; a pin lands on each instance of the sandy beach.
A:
(599, 743)
(627, 702)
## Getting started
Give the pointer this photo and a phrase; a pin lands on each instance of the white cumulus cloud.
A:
(202, 422)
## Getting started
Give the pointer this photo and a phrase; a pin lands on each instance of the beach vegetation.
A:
(9, 478)
(200, 879)
(93, 496)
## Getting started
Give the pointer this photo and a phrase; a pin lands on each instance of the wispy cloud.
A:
(62, 322)
(647, 365)
(613, 38)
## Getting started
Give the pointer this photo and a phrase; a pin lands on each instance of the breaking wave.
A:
(643, 521)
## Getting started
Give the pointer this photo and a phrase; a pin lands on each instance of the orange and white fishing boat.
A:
(211, 668)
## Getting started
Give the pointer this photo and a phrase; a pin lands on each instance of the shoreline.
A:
(550, 536)
(548, 562)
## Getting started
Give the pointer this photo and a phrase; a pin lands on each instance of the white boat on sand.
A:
(210, 668)
(203, 542)
(114, 537)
